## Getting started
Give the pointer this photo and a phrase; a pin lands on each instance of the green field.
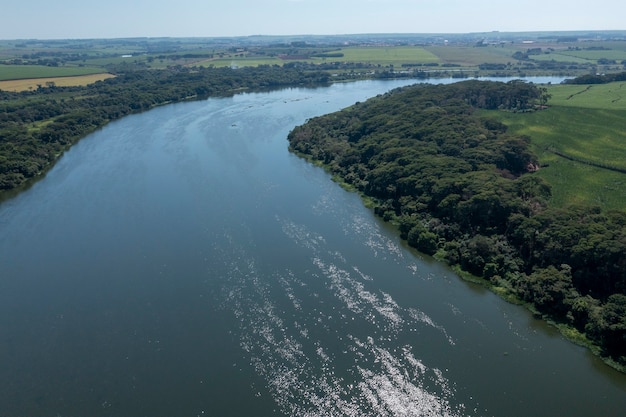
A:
(586, 123)
(610, 96)
(594, 55)
(387, 55)
(472, 56)
(373, 55)
(242, 62)
(22, 72)
(560, 57)
(101, 62)
(546, 54)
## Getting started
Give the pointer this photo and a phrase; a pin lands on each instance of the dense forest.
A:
(460, 187)
(37, 126)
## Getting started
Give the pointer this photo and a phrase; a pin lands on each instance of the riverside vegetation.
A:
(460, 186)
(37, 126)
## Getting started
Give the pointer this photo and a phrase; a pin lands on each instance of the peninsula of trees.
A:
(460, 187)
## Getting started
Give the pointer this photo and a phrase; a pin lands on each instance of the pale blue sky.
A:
(45, 19)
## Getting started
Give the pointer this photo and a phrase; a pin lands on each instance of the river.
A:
(181, 262)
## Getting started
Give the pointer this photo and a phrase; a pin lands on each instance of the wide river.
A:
(181, 262)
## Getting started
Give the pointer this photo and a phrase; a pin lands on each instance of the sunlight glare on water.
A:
(337, 355)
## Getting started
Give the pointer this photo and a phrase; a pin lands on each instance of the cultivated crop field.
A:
(20, 72)
(387, 55)
(240, 62)
(535, 53)
(586, 124)
(33, 83)
(472, 56)
(594, 55)
(374, 55)
(610, 96)
(560, 57)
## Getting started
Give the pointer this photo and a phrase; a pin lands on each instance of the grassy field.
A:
(600, 96)
(594, 55)
(240, 62)
(387, 55)
(20, 72)
(560, 57)
(586, 123)
(33, 83)
(472, 56)
(374, 55)
(100, 62)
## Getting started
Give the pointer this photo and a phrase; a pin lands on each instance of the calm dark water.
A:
(181, 262)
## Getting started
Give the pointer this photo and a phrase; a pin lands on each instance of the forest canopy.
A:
(461, 187)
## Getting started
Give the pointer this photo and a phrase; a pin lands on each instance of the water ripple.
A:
(330, 351)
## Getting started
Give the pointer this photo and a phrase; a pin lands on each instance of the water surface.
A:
(181, 262)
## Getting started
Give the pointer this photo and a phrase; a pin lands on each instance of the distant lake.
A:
(181, 262)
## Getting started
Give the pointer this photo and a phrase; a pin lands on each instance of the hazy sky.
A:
(153, 18)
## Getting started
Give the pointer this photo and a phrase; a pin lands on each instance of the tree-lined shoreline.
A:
(461, 187)
(457, 185)
(36, 127)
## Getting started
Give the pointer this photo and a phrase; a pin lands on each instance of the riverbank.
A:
(472, 203)
(501, 288)
(569, 332)
(38, 126)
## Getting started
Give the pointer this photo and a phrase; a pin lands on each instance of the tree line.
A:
(461, 187)
(597, 78)
(37, 126)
